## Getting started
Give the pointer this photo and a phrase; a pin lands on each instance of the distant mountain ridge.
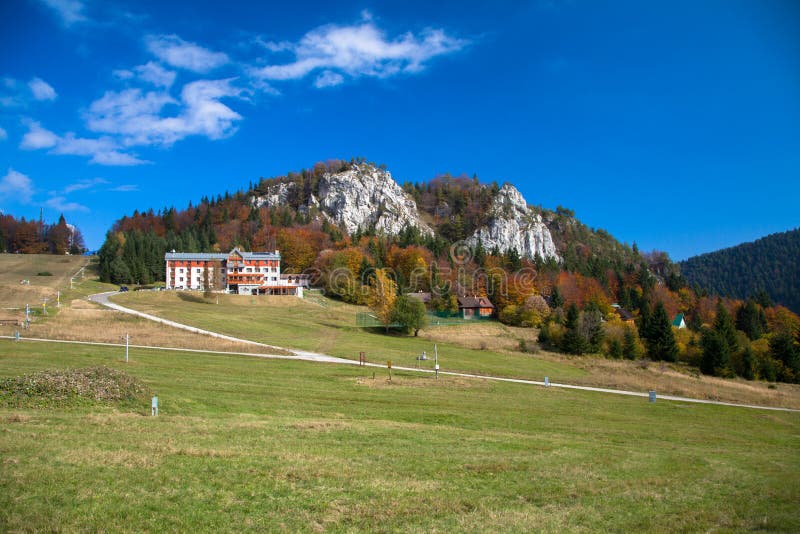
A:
(770, 264)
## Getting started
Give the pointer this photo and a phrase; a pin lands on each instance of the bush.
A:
(44, 273)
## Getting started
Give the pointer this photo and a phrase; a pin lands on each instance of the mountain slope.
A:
(771, 264)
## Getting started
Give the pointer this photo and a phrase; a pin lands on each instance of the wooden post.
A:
(389, 366)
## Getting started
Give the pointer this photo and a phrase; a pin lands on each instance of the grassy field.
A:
(331, 329)
(328, 326)
(17, 267)
(265, 445)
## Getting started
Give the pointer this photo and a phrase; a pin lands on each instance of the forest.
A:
(37, 237)
(575, 303)
(768, 264)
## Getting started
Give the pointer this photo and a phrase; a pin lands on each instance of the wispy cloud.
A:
(42, 90)
(125, 188)
(150, 72)
(103, 150)
(176, 52)
(18, 94)
(69, 11)
(16, 185)
(60, 203)
(3, 134)
(81, 185)
(358, 50)
(136, 117)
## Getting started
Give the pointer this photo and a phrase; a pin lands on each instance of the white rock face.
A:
(361, 197)
(513, 225)
(277, 195)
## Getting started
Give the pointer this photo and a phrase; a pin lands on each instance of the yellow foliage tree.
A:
(381, 298)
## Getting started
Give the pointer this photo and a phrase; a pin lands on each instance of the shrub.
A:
(44, 273)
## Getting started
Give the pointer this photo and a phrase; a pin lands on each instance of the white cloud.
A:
(3, 134)
(328, 79)
(103, 151)
(176, 52)
(37, 137)
(137, 117)
(150, 72)
(359, 50)
(70, 11)
(42, 90)
(85, 184)
(59, 203)
(16, 185)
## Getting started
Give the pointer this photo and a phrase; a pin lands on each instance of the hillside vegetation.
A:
(770, 265)
(569, 293)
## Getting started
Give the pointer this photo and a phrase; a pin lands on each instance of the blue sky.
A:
(675, 125)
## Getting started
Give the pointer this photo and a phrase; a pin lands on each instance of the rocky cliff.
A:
(360, 197)
(512, 224)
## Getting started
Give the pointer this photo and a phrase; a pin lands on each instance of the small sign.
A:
(437, 366)
(652, 396)
(154, 406)
(546, 381)
(389, 364)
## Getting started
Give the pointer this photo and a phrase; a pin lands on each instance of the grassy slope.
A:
(251, 444)
(331, 329)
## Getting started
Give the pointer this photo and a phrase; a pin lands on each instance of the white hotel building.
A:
(245, 273)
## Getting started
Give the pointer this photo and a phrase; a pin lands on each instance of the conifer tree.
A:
(573, 341)
(723, 325)
(660, 338)
(716, 353)
(629, 348)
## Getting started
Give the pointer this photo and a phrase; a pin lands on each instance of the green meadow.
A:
(329, 326)
(272, 445)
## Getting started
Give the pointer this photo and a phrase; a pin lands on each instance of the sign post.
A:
(436, 360)
(154, 407)
(389, 366)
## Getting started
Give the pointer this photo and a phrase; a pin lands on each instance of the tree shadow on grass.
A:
(192, 297)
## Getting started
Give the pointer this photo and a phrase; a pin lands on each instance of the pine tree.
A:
(660, 338)
(750, 319)
(630, 349)
(723, 325)
(556, 300)
(716, 353)
(573, 341)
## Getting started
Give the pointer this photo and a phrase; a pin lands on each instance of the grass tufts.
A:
(71, 387)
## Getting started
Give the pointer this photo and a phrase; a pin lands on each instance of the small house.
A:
(471, 307)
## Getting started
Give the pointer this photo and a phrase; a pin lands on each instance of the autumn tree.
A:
(382, 296)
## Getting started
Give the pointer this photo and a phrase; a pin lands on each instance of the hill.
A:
(770, 264)
(45, 274)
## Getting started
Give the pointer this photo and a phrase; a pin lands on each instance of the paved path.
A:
(103, 298)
